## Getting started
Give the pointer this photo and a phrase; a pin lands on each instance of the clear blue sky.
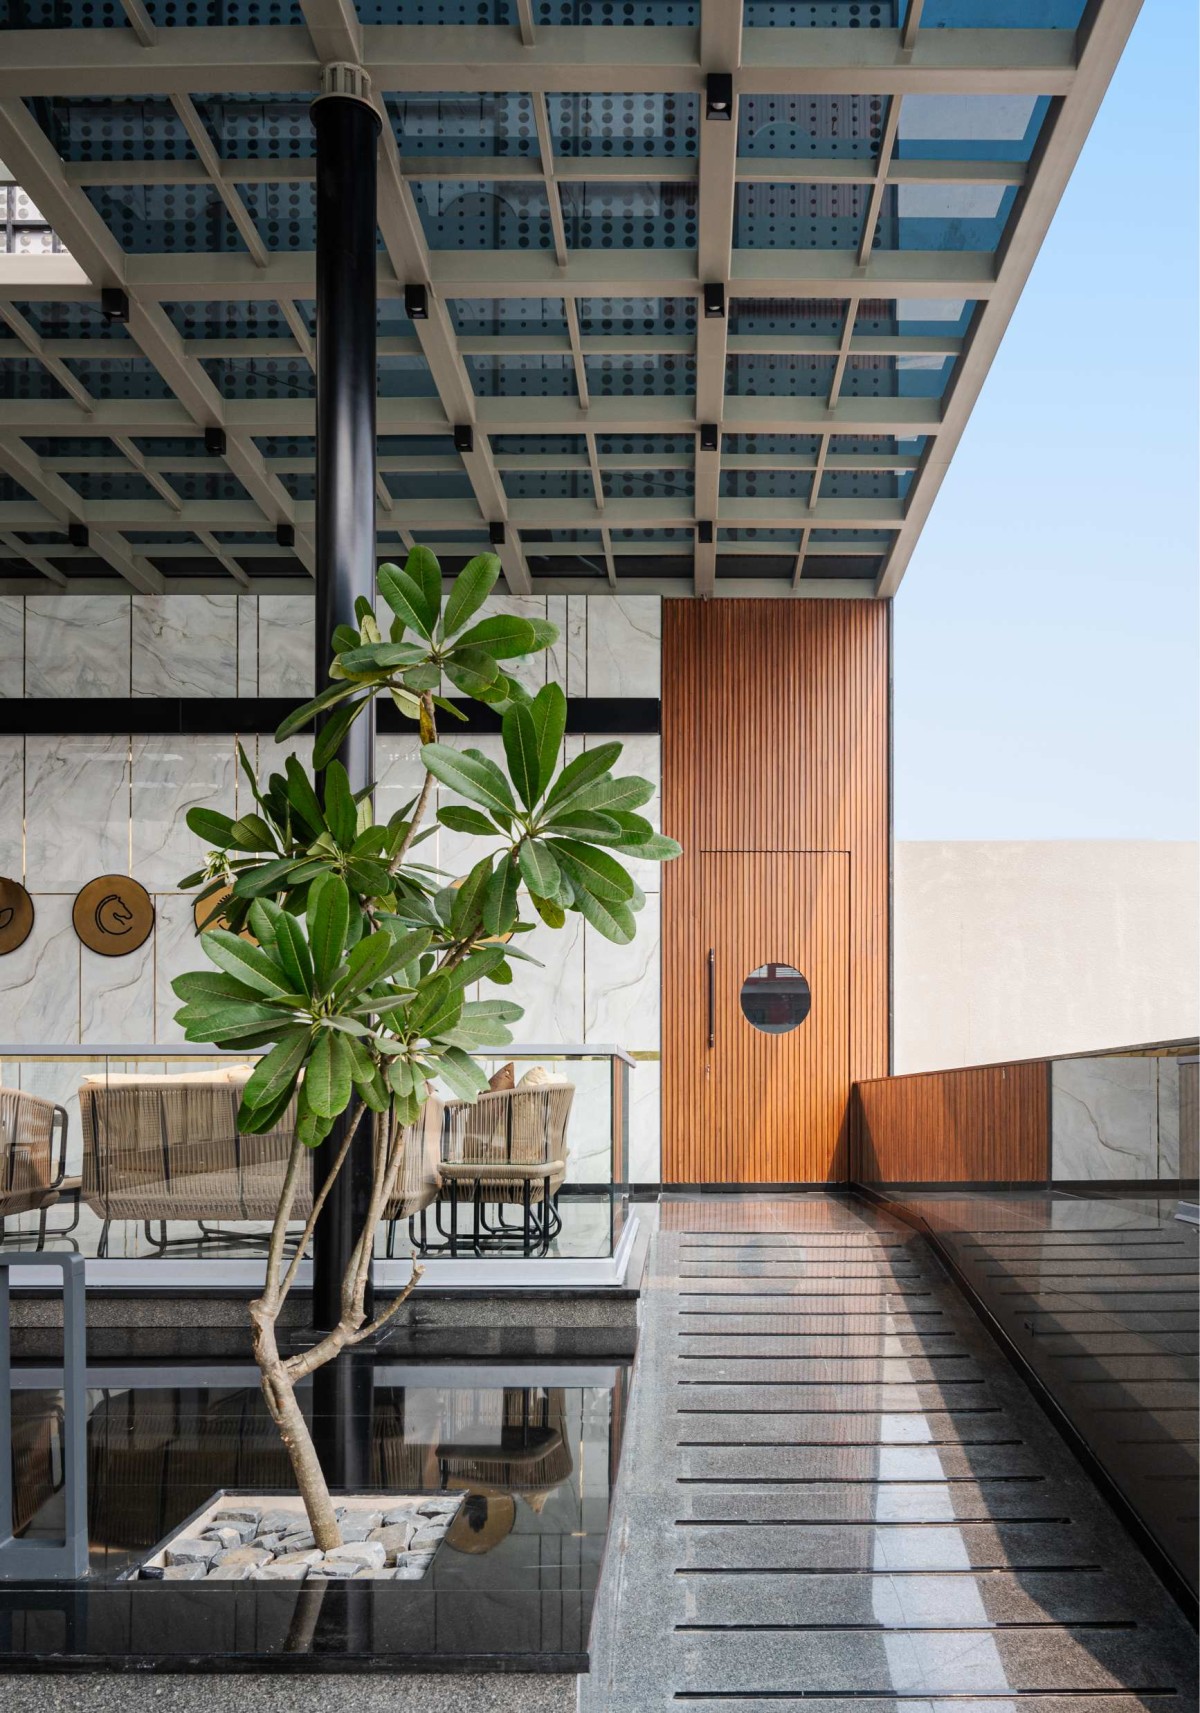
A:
(1046, 681)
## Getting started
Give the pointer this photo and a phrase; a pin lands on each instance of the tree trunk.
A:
(288, 1417)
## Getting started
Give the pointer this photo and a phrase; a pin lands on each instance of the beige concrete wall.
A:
(1012, 950)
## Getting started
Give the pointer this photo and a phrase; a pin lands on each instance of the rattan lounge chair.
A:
(508, 1149)
(159, 1148)
(30, 1181)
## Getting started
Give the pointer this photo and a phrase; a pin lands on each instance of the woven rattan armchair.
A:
(159, 1148)
(508, 1149)
(30, 1179)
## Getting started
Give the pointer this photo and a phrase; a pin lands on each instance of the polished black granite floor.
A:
(1098, 1294)
(532, 1445)
(837, 1494)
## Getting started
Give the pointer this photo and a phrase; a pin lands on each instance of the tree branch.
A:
(310, 1223)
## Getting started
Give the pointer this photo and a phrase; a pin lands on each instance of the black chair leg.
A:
(41, 1236)
(453, 1217)
(102, 1245)
(526, 1195)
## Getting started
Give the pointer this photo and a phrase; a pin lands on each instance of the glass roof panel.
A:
(1002, 14)
(114, 128)
(632, 13)
(640, 376)
(522, 377)
(787, 216)
(823, 14)
(155, 218)
(72, 321)
(110, 485)
(943, 216)
(648, 484)
(260, 377)
(251, 318)
(461, 214)
(119, 377)
(632, 315)
(259, 127)
(821, 127)
(284, 213)
(472, 124)
(484, 315)
(969, 127)
(550, 485)
(624, 215)
(624, 126)
(790, 315)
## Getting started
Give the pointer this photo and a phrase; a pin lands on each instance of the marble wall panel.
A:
(286, 646)
(1168, 1117)
(12, 807)
(247, 645)
(552, 995)
(175, 952)
(12, 646)
(76, 810)
(622, 1001)
(77, 645)
(116, 997)
(185, 645)
(623, 645)
(645, 1125)
(170, 776)
(1104, 1118)
(39, 982)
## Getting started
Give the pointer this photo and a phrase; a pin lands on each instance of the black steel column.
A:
(347, 131)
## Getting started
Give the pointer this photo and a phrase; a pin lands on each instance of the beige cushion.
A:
(503, 1078)
(237, 1073)
(537, 1076)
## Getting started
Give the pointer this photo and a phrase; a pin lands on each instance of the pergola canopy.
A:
(712, 286)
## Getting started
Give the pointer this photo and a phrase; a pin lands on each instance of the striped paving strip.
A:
(834, 1491)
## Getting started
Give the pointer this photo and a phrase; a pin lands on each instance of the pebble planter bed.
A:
(240, 1537)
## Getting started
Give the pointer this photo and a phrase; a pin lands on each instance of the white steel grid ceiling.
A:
(556, 177)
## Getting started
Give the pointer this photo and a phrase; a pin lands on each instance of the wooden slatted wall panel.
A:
(984, 1124)
(775, 738)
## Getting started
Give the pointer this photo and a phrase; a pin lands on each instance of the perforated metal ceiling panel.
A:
(715, 284)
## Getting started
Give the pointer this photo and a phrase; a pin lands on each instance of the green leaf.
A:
(433, 999)
(373, 958)
(202, 986)
(548, 711)
(502, 1009)
(583, 771)
(503, 637)
(341, 814)
(539, 870)
(500, 899)
(302, 715)
(274, 1076)
(422, 566)
(278, 927)
(657, 848)
(406, 599)
(302, 798)
(280, 876)
(612, 919)
(461, 1074)
(418, 679)
(521, 752)
(327, 1075)
(328, 921)
(544, 633)
(251, 833)
(551, 912)
(599, 873)
(460, 819)
(474, 673)
(471, 775)
(576, 823)
(212, 827)
(250, 964)
(449, 707)
(332, 733)
(613, 796)
(466, 910)
(382, 656)
(477, 964)
(470, 590)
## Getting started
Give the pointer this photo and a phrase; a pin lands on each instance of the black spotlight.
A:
(285, 535)
(704, 533)
(496, 534)
(718, 95)
(710, 437)
(464, 437)
(214, 442)
(77, 534)
(714, 302)
(416, 303)
(114, 305)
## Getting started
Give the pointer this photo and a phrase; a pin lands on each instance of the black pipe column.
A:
(347, 132)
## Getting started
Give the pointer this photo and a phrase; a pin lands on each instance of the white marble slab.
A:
(170, 776)
(576, 682)
(1168, 1117)
(624, 642)
(552, 996)
(1104, 1119)
(176, 950)
(286, 646)
(622, 1001)
(185, 645)
(247, 645)
(12, 806)
(12, 645)
(39, 982)
(77, 645)
(116, 996)
(645, 1122)
(76, 810)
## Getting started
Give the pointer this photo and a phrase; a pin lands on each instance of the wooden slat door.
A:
(774, 1105)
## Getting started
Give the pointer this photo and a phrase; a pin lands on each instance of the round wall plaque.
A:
(113, 915)
(16, 915)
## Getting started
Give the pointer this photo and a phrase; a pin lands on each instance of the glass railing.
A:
(132, 1154)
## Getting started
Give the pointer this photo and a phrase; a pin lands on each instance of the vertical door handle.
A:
(712, 996)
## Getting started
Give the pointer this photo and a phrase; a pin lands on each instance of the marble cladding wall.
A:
(75, 806)
(252, 645)
(1114, 1118)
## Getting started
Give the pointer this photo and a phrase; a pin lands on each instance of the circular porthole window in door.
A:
(775, 998)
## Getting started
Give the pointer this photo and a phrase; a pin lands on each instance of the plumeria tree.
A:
(346, 960)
